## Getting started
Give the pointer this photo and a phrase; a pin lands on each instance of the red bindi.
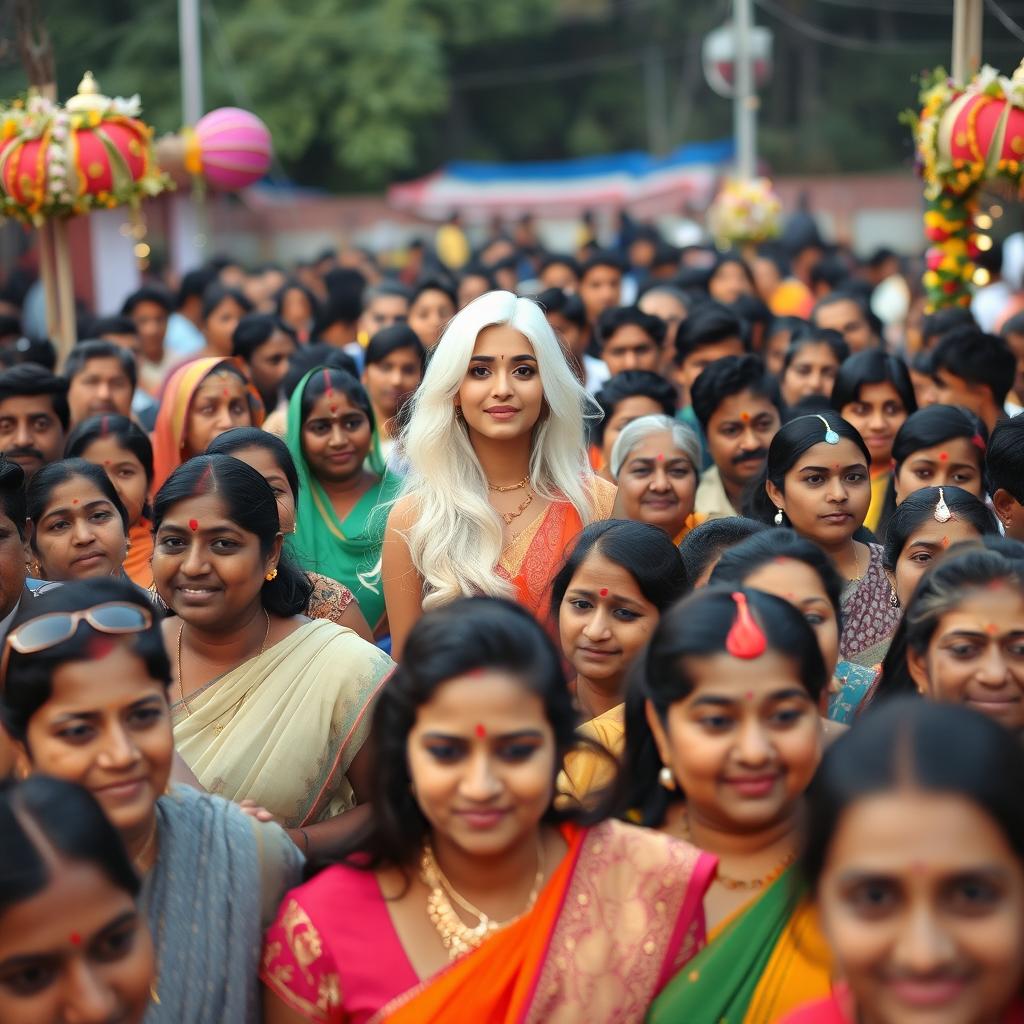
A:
(74, 501)
(749, 695)
(76, 939)
(226, 393)
(106, 462)
(193, 525)
(944, 542)
(745, 416)
(334, 409)
(991, 629)
(661, 458)
(943, 456)
(603, 592)
(481, 732)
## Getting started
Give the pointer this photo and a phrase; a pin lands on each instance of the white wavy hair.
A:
(455, 540)
(683, 437)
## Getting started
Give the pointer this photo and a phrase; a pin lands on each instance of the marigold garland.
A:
(43, 174)
(954, 164)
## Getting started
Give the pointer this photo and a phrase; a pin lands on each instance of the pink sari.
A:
(620, 916)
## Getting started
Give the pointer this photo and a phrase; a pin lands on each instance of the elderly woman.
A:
(655, 462)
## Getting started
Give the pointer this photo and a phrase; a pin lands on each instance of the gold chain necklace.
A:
(139, 860)
(511, 487)
(856, 565)
(510, 517)
(181, 683)
(744, 884)
(457, 936)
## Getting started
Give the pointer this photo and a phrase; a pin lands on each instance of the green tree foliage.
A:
(359, 93)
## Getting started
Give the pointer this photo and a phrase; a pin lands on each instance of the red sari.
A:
(622, 913)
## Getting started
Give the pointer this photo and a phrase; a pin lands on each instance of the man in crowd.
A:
(738, 405)
(975, 370)
(630, 339)
(847, 313)
(33, 416)
(150, 309)
(101, 378)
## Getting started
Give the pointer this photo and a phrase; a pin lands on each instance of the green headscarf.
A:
(348, 552)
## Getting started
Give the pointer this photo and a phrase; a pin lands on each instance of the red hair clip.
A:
(746, 639)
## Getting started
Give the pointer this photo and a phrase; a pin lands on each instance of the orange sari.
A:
(137, 562)
(532, 558)
(622, 913)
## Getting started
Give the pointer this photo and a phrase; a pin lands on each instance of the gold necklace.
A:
(511, 487)
(510, 517)
(856, 565)
(458, 937)
(744, 884)
(181, 684)
(139, 860)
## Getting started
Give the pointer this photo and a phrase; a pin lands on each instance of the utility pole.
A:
(967, 22)
(188, 222)
(744, 96)
(191, 61)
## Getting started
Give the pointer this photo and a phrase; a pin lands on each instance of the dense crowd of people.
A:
(630, 635)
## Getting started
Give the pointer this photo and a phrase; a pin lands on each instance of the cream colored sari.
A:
(283, 728)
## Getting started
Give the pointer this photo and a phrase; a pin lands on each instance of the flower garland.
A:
(954, 162)
(41, 172)
(744, 212)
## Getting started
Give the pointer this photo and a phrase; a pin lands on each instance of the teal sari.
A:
(349, 551)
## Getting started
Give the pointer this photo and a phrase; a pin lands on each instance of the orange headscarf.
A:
(172, 419)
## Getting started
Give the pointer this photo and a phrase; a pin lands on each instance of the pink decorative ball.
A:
(235, 148)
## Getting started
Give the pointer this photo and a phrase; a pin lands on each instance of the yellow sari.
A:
(585, 770)
(282, 728)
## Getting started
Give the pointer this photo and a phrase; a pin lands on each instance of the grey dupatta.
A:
(218, 874)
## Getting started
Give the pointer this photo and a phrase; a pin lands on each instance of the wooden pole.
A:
(967, 32)
(65, 291)
(47, 273)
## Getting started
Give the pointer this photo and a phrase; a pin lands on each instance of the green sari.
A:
(764, 961)
(349, 551)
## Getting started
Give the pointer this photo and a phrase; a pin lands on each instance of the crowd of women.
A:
(444, 699)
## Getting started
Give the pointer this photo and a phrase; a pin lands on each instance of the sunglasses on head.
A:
(116, 618)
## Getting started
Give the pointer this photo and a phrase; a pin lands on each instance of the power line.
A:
(1005, 20)
(901, 6)
(821, 35)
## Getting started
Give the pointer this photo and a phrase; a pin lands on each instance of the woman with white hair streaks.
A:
(499, 481)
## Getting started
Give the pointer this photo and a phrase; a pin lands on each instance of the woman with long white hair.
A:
(499, 482)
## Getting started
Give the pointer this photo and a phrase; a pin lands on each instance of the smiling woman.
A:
(915, 856)
(962, 635)
(722, 737)
(655, 464)
(85, 700)
(499, 481)
(469, 735)
(342, 505)
(272, 707)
